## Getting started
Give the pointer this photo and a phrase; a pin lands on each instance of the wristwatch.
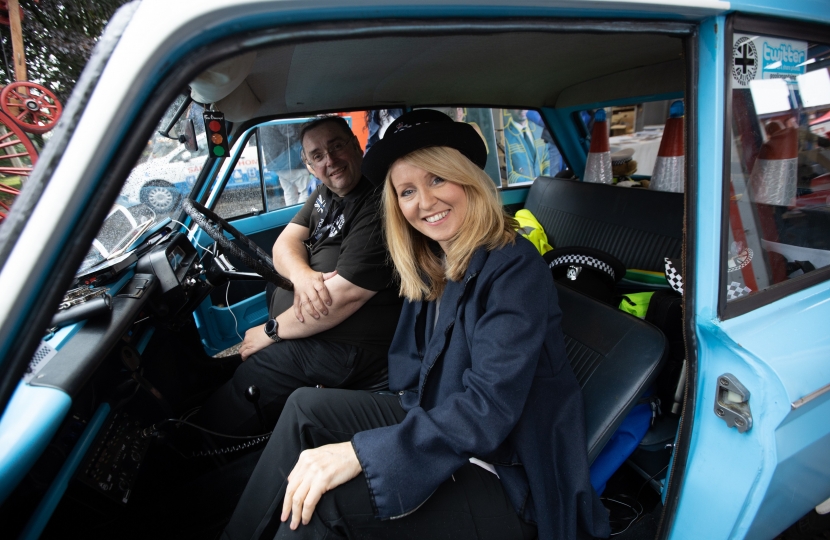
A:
(271, 329)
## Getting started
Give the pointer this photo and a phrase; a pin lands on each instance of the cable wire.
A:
(194, 236)
(227, 303)
(154, 428)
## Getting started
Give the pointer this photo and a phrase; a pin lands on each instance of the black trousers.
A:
(469, 505)
(281, 368)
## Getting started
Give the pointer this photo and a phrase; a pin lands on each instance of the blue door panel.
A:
(802, 476)
(216, 325)
(725, 467)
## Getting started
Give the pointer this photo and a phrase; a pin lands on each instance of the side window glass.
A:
(519, 145)
(635, 135)
(242, 193)
(271, 166)
(529, 150)
(779, 181)
(167, 168)
(287, 179)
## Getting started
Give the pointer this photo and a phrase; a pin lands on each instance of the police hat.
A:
(590, 271)
(418, 129)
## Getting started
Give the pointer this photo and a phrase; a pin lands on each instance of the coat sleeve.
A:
(404, 464)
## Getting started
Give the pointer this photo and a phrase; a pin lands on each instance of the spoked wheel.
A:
(17, 158)
(6, 195)
(216, 227)
(33, 107)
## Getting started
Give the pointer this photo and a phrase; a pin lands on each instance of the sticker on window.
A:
(762, 58)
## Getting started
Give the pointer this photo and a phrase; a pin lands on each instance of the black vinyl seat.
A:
(615, 357)
(638, 226)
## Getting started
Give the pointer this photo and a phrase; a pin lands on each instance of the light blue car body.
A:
(734, 485)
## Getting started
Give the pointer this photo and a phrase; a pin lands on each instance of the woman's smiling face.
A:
(432, 205)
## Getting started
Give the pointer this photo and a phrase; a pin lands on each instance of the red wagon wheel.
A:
(33, 107)
(17, 158)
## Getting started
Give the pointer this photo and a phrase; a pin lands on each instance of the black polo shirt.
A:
(354, 246)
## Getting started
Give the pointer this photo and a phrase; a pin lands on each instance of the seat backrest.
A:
(638, 226)
(615, 357)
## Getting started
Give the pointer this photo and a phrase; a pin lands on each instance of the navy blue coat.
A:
(492, 381)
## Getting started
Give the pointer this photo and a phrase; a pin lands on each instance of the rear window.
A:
(520, 147)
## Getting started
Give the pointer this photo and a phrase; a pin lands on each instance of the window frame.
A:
(775, 28)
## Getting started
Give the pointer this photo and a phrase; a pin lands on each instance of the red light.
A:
(214, 125)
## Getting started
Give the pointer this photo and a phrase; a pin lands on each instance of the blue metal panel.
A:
(514, 196)
(790, 337)
(264, 222)
(753, 484)
(568, 139)
(53, 495)
(807, 10)
(28, 424)
(704, 455)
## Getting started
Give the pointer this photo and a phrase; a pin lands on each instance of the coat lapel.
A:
(438, 339)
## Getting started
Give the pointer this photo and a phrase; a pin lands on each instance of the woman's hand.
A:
(317, 471)
(312, 295)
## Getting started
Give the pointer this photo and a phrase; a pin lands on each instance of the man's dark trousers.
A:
(281, 368)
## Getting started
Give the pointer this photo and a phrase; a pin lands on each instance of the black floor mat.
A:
(634, 506)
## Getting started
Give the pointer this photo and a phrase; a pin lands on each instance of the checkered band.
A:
(673, 276)
(736, 290)
(584, 260)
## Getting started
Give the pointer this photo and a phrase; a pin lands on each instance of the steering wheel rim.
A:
(215, 227)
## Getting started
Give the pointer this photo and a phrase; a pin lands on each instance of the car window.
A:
(270, 167)
(242, 193)
(634, 131)
(519, 145)
(779, 163)
(169, 165)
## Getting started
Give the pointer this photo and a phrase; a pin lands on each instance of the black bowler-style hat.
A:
(418, 129)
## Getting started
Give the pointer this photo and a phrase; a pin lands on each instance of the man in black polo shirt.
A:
(335, 328)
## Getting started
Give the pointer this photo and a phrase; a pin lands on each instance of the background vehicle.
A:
(753, 340)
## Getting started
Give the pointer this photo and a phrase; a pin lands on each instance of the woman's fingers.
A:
(317, 471)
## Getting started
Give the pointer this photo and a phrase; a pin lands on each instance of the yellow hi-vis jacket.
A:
(530, 228)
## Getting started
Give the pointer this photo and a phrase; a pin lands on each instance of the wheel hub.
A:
(160, 198)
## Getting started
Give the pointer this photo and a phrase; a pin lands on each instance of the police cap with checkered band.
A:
(422, 128)
(590, 271)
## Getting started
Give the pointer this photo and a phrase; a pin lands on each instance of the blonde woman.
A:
(483, 434)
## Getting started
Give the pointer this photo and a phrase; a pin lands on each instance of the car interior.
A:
(176, 277)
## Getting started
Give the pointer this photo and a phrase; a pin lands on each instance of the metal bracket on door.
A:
(732, 403)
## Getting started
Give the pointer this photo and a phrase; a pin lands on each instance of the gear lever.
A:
(252, 395)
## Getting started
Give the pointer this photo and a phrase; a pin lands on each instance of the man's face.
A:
(518, 115)
(334, 156)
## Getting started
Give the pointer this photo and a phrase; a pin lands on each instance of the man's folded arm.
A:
(290, 254)
(346, 299)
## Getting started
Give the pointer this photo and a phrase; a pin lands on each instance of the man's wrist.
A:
(272, 328)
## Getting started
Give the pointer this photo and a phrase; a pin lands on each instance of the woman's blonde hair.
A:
(422, 271)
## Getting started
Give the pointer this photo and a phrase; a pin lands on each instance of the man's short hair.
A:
(317, 122)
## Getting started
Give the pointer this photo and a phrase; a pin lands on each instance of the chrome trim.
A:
(810, 397)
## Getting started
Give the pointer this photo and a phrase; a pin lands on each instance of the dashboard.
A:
(72, 399)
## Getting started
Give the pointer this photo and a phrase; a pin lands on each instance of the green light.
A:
(218, 151)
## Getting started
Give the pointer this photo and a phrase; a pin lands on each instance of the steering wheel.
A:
(215, 227)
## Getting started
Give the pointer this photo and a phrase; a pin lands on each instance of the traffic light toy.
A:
(217, 135)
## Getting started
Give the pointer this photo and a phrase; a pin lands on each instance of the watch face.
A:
(271, 326)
